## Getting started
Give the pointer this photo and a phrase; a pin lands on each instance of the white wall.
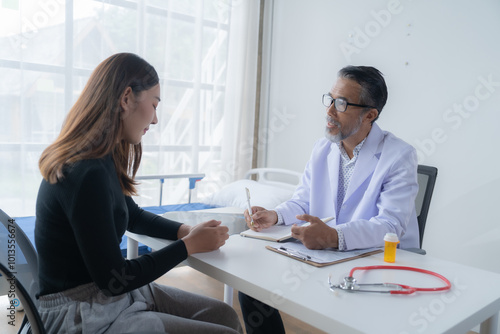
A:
(436, 57)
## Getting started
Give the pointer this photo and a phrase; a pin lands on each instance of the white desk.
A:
(302, 291)
(232, 217)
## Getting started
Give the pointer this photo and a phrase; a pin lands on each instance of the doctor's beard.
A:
(341, 135)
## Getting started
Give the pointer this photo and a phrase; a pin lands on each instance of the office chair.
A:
(426, 179)
(31, 322)
(24, 264)
(25, 273)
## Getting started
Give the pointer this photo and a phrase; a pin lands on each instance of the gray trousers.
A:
(151, 308)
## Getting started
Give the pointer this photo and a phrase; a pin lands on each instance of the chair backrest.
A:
(18, 293)
(426, 179)
(20, 258)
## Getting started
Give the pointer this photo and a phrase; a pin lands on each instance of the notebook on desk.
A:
(277, 233)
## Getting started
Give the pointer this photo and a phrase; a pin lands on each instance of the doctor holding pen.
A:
(363, 176)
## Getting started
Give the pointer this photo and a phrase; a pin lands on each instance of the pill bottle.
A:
(391, 243)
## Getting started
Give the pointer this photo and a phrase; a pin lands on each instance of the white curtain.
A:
(239, 106)
(204, 51)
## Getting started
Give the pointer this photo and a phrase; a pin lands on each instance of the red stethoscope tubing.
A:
(408, 289)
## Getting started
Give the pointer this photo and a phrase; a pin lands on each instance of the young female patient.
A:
(84, 206)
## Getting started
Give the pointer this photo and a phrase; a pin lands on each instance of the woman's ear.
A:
(126, 101)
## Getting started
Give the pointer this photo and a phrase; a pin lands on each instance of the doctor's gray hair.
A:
(373, 87)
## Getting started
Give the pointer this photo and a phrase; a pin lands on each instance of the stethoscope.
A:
(349, 284)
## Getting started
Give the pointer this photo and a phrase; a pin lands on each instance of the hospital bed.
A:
(268, 187)
(27, 224)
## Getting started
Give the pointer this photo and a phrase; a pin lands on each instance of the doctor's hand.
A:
(318, 235)
(206, 237)
(262, 218)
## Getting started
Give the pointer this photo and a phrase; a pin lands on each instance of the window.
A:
(48, 49)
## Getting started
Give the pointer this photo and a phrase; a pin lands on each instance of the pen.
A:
(249, 206)
(326, 220)
(295, 253)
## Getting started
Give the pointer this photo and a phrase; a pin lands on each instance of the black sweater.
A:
(80, 222)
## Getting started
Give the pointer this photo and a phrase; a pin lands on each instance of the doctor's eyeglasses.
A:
(340, 104)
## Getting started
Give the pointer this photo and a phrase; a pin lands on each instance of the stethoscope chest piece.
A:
(349, 283)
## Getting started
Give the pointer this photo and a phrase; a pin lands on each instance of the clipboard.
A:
(310, 256)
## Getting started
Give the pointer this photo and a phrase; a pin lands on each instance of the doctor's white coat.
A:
(380, 197)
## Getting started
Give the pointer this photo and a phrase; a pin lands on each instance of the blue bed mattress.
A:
(27, 224)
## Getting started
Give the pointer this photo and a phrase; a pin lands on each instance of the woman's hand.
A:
(183, 230)
(206, 237)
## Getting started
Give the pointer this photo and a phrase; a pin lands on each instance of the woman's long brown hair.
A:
(93, 126)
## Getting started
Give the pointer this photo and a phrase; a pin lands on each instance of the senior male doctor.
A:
(363, 176)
